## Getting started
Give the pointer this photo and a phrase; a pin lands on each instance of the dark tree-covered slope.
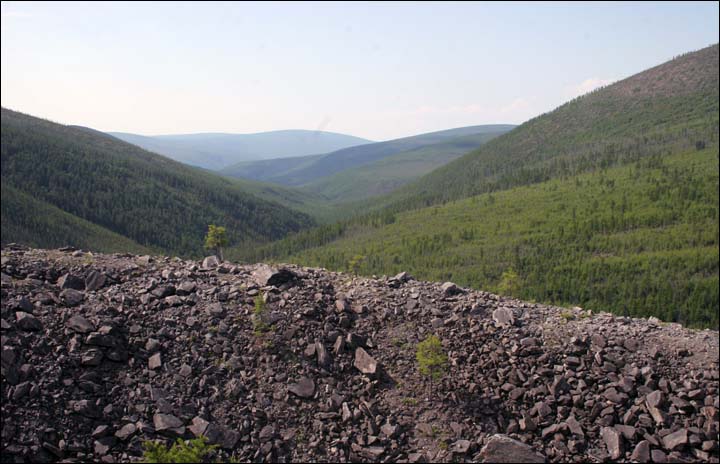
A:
(145, 197)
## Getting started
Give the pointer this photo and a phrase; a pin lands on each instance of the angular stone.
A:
(503, 449)
(216, 309)
(655, 399)
(125, 432)
(267, 433)
(85, 408)
(675, 439)
(657, 455)
(155, 361)
(614, 442)
(79, 324)
(71, 297)
(168, 424)
(265, 275)
(199, 425)
(641, 453)
(92, 358)
(94, 281)
(364, 362)
(185, 370)
(27, 321)
(70, 281)
(210, 262)
(323, 357)
(304, 388)
(449, 288)
(574, 426)
(461, 446)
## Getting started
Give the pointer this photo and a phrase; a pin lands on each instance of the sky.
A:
(373, 70)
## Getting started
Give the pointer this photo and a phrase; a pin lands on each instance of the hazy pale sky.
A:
(374, 70)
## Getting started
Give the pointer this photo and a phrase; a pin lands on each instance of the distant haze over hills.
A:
(219, 150)
(301, 171)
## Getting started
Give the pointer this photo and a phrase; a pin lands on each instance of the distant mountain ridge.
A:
(300, 171)
(218, 150)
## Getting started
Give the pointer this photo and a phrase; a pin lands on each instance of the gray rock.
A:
(155, 361)
(265, 275)
(503, 449)
(267, 433)
(614, 442)
(364, 362)
(71, 281)
(210, 262)
(449, 288)
(125, 432)
(199, 425)
(461, 446)
(503, 317)
(168, 424)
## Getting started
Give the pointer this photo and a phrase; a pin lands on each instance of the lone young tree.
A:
(216, 239)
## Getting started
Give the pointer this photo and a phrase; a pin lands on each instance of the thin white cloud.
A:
(586, 86)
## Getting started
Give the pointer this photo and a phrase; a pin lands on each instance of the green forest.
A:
(147, 198)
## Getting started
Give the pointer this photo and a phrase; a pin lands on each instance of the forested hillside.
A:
(150, 199)
(387, 174)
(667, 108)
(34, 222)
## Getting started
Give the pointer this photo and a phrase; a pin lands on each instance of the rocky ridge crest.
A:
(102, 352)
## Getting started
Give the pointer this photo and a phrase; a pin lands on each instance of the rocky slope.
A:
(103, 352)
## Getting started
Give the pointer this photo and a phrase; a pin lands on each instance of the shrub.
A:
(508, 282)
(216, 239)
(259, 316)
(193, 451)
(431, 358)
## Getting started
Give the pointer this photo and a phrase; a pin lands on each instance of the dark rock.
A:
(80, 325)
(94, 281)
(71, 281)
(641, 452)
(72, 297)
(675, 440)
(304, 388)
(27, 321)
